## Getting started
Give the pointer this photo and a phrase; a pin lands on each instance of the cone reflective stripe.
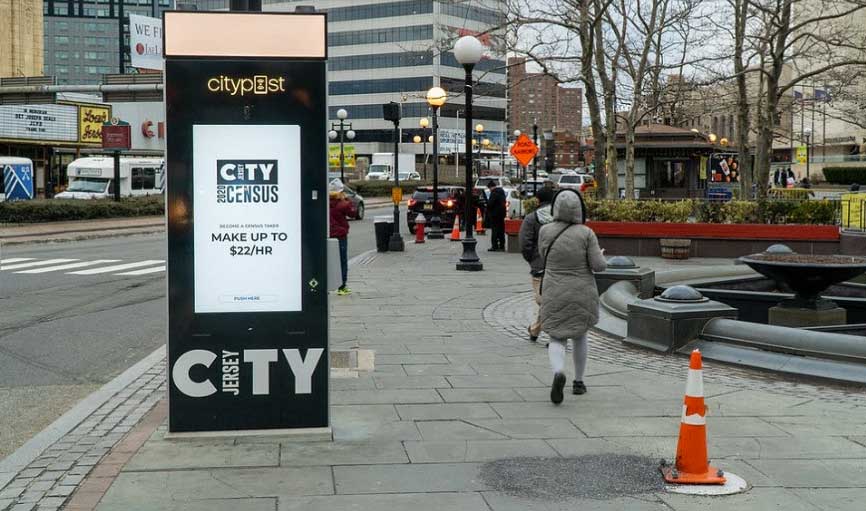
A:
(692, 465)
(479, 222)
(455, 231)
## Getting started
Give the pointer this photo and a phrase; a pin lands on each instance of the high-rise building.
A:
(82, 40)
(394, 50)
(20, 38)
(539, 98)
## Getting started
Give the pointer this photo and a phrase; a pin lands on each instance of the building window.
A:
(490, 65)
(381, 35)
(61, 39)
(467, 11)
(382, 60)
(380, 86)
(368, 11)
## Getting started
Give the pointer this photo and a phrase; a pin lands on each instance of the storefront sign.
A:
(246, 201)
(90, 121)
(145, 42)
(48, 123)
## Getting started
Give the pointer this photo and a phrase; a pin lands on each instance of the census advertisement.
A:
(247, 218)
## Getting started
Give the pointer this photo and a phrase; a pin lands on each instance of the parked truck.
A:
(381, 167)
(93, 178)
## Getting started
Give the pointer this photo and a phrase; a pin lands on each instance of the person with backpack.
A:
(340, 211)
(569, 296)
(528, 238)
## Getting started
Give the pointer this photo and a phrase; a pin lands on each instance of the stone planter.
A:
(675, 248)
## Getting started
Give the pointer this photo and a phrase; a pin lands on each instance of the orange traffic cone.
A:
(692, 465)
(455, 231)
(479, 222)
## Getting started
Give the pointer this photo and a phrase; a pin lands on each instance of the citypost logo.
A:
(247, 181)
(258, 84)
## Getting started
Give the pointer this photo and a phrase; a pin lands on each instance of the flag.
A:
(822, 95)
(703, 168)
(798, 96)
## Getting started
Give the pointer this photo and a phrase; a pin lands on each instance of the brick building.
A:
(540, 98)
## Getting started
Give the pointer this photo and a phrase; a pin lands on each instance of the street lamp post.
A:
(808, 133)
(424, 122)
(344, 131)
(468, 50)
(535, 158)
(393, 112)
(479, 129)
(436, 97)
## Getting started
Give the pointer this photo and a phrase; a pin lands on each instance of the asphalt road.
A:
(76, 314)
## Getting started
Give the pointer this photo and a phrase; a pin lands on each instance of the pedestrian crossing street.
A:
(35, 266)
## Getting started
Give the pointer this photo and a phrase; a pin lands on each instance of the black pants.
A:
(497, 236)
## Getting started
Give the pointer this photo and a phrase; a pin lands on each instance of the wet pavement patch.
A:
(597, 476)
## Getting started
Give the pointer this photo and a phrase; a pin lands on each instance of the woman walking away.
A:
(341, 209)
(569, 296)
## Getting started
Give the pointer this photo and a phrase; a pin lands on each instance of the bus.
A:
(93, 178)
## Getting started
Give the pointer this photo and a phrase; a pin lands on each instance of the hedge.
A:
(731, 212)
(55, 210)
(383, 188)
(845, 175)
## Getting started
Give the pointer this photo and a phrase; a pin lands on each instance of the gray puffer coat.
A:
(569, 298)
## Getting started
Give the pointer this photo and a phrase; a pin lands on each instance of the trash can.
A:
(384, 226)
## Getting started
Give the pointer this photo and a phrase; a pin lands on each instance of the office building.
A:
(20, 38)
(82, 40)
(539, 98)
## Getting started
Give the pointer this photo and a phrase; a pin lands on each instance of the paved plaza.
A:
(457, 385)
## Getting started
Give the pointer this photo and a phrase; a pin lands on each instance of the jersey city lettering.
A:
(259, 84)
(260, 362)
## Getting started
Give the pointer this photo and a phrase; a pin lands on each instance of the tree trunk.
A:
(629, 153)
(741, 9)
(591, 94)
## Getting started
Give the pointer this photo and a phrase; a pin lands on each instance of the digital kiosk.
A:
(246, 204)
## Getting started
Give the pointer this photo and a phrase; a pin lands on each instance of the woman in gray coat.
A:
(569, 296)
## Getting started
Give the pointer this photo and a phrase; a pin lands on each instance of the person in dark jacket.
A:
(341, 209)
(496, 216)
(529, 248)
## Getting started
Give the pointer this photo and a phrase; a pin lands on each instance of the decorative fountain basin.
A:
(806, 275)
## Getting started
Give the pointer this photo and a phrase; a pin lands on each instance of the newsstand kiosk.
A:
(246, 205)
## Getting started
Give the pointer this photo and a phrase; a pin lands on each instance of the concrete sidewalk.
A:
(456, 385)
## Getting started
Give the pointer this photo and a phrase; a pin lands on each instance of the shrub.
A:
(822, 212)
(53, 210)
(383, 188)
(845, 175)
(715, 212)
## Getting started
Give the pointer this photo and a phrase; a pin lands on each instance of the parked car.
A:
(528, 188)
(503, 181)
(579, 182)
(356, 199)
(410, 176)
(422, 202)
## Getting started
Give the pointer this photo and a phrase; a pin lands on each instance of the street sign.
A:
(116, 137)
(524, 150)
(396, 195)
(247, 213)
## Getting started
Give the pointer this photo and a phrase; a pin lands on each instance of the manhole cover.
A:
(597, 476)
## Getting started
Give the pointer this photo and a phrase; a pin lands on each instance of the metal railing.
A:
(853, 211)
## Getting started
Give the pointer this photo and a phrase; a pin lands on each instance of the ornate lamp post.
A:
(436, 97)
(424, 123)
(468, 53)
(343, 130)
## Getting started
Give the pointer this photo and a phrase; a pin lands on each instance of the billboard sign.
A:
(145, 42)
(90, 121)
(43, 123)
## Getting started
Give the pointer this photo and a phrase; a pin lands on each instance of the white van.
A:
(93, 178)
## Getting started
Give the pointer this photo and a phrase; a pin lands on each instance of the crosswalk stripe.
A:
(144, 271)
(37, 263)
(15, 260)
(69, 266)
(117, 267)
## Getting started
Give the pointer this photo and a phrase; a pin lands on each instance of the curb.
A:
(68, 236)
(34, 447)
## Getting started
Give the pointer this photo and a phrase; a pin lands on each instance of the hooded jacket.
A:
(569, 298)
(341, 209)
(529, 238)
